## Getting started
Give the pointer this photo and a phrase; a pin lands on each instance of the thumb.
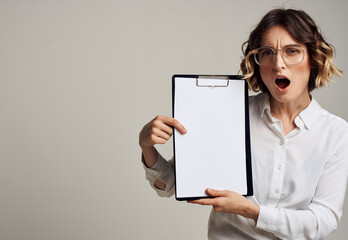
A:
(216, 193)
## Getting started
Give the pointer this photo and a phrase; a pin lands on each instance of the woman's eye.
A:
(292, 51)
(267, 53)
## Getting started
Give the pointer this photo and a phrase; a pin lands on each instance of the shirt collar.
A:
(264, 106)
(307, 116)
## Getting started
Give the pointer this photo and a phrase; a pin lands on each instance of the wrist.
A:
(255, 212)
(149, 154)
(252, 211)
(144, 147)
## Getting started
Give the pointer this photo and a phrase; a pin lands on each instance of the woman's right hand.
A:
(158, 131)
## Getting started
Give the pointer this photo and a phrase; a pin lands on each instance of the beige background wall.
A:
(79, 79)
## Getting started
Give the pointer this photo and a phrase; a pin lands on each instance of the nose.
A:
(279, 62)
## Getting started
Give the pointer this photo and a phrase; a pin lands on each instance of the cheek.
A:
(304, 72)
(266, 74)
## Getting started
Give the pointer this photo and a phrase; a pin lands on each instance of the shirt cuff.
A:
(268, 218)
(163, 170)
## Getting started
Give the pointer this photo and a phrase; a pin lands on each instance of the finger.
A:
(163, 127)
(205, 201)
(216, 193)
(218, 208)
(160, 133)
(157, 140)
(175, 123)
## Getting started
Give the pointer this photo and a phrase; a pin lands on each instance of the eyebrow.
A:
(289, 45)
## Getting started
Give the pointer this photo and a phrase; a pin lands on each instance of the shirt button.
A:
(280, 167)
(281, 143)
(276, 191)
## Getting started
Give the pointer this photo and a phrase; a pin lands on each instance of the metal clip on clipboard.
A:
(206, 81)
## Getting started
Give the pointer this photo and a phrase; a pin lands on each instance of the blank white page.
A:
(212, 153)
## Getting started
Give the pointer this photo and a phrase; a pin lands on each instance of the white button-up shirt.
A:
(299, 179)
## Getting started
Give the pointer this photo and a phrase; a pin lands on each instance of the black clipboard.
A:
(215, 152)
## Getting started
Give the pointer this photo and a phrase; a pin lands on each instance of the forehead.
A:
(278, 36)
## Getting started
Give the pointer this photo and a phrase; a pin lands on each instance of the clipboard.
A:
(215, 152)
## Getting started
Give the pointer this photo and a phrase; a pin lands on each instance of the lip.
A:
(281, 90)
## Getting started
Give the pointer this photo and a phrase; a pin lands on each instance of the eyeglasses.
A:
(292, 55)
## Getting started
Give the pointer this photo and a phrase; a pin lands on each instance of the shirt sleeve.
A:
(323, 213)
(163, 170)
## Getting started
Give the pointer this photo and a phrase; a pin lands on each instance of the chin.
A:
(282, 98)
(288, 96)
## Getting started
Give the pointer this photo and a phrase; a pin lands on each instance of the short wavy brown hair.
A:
(304, 30)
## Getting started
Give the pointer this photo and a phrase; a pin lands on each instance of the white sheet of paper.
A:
(212, 153)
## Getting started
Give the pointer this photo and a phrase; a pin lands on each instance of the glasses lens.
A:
(264, 56)
(293, 55)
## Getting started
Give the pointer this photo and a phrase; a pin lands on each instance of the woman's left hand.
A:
(230, 202)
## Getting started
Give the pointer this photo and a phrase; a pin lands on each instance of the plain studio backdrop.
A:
(79, 79)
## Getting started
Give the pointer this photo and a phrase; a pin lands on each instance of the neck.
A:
(288, 111)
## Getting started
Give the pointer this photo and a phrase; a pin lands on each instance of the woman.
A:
(299, 150)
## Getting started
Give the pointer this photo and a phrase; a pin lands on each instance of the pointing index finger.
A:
(176, 124)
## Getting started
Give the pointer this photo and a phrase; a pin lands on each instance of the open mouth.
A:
(282, 83)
